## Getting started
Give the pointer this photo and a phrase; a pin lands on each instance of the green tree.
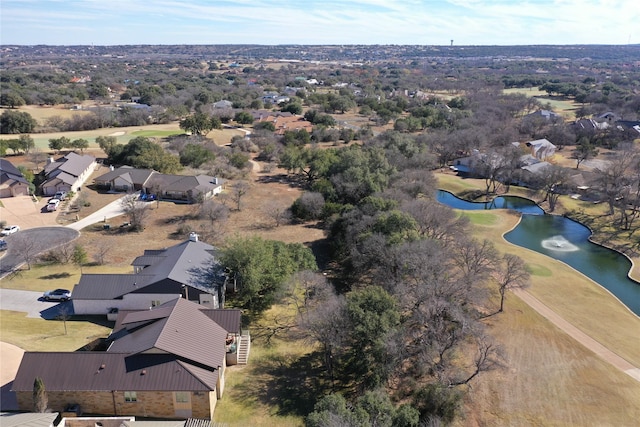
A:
(16, 122)
(195, 155)
(143, 153)
(291, 107)
(80, 144)
(107, 143)
(333, 410)
(79, 256)
(26, 143)
(57, 144)
(585, 150)
(40, 399)
(261, 268)
(243, 117)
(11, 99)
(200, 124)
(373, 316)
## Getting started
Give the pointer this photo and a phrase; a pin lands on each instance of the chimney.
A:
(193, 236)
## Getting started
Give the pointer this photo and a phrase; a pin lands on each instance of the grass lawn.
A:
(530, 92)
(157, 133)
(49, 335)
(575, 297)
(542, 361)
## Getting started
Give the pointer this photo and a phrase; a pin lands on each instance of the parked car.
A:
(57, 295)
(10, 229)
(53, 205)
(3, 245)
(61, 195)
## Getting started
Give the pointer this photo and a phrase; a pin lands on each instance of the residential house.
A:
(189, 269)
(541, 149)
(12, 182)
(157, 364)
(68, 173)
(164, 186)
(27, 419)
(546, 115)
(223, 104)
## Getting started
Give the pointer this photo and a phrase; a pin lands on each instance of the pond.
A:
(563, 239)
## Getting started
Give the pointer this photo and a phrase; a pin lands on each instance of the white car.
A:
(10, 229)
(53, 205)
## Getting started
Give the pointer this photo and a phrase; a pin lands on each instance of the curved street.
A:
(26, 244)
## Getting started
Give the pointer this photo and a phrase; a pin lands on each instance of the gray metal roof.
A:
(135, 176)
(30, 419)
(76, 164)
(109, 286)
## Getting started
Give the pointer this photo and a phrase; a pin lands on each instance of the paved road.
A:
(29, 243)
(578, 335)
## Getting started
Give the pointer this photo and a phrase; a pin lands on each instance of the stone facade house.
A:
(156, 364)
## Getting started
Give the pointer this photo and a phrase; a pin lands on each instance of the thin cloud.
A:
(315, 22)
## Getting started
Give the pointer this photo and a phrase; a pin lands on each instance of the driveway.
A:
(111, 210)
(25, 212)
(29, 302)
(32, 242)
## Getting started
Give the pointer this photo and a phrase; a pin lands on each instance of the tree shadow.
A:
(290, 385)
(55, 276)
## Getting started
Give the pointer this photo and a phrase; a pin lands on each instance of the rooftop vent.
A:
(193, 236)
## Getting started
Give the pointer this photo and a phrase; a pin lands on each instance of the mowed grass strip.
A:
(547, 379)
(49, 335)
(572, 295)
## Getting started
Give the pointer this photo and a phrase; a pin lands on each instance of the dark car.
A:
(57, 295)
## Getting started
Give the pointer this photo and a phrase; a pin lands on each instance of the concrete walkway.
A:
(578, 335)
(113, 209)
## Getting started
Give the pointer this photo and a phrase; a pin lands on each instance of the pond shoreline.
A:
(504, 204)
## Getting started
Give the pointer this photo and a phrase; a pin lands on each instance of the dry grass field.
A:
(547, 378)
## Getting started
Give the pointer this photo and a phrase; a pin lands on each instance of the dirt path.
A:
(578, 335)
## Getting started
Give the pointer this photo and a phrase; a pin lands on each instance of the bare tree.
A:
(487, 358)
(238, 190)
(551, 180)
(37, 156)
(64, 315)
(27, 248)
(136, 211)
(103, 249)
(213, 211)
(279, 213)
(510, 274)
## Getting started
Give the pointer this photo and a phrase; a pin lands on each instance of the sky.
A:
(274, 22)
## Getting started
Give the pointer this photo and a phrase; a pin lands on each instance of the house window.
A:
(155, 303)
(183, 397)
(130, 396)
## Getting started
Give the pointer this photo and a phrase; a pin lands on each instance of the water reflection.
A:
(563, 239)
